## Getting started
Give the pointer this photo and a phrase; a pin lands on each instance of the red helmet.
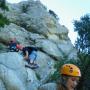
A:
(18, 46)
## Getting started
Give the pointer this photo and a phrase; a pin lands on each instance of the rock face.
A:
(48, 86)
(13, 74)
(31, 24)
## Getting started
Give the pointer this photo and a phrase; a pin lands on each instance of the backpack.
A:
(29, 49)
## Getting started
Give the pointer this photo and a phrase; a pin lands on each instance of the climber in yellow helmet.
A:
(70, 75)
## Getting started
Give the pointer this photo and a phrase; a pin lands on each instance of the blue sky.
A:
(67, 11)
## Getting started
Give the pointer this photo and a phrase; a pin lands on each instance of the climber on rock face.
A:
(13, 45)
(30, 54)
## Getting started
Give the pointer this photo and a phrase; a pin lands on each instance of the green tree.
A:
(3, 21)
(82, 27)
(3, 5)
(84, 65)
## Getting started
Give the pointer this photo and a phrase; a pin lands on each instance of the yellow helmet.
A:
(71, 70)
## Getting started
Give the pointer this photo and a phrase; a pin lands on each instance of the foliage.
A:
(84, 83)
(25, 8)
(3, 5)
(83, 63)
(54, 14)
(3, 21)
(1, 47)
(56, 76)
(38, 76)
(82, 27)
